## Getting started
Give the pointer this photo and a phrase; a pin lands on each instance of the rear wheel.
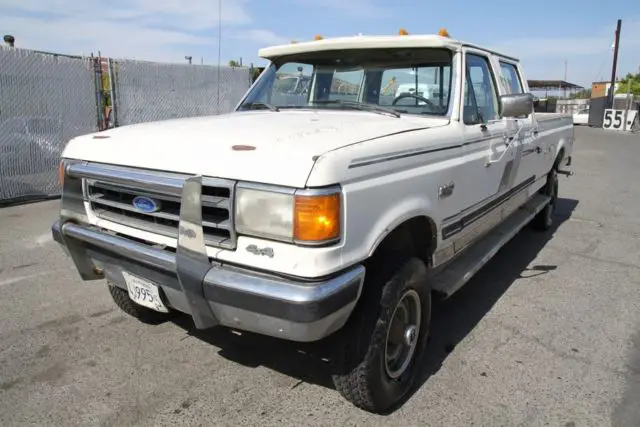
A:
(380, 348)
(544, 220)
(143, 314)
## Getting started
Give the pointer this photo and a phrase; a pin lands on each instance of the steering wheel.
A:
(418, 97)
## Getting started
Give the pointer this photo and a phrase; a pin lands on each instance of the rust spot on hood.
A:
(243, 147)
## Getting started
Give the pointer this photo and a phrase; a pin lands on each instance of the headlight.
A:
(264, 213)
(305, 216)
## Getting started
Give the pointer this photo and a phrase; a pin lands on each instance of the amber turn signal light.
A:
(61, 174)
(316, 218)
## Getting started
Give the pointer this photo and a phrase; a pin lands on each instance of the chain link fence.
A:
(45, 100)
(147, 91)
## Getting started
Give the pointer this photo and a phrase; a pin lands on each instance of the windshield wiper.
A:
(250, 105)
(358, 106)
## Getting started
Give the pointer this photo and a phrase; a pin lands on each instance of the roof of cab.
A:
(370, 42)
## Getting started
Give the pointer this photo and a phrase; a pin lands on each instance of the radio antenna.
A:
(219, 50)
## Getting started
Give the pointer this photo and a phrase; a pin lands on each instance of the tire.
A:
(364, 373)
(143, 314)
(543, 221)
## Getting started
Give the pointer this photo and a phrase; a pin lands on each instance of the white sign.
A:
(615, 119)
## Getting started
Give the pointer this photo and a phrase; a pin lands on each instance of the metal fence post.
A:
(112, 91)
(626, 112)
(97, 83)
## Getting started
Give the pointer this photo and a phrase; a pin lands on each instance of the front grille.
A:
(113, 201)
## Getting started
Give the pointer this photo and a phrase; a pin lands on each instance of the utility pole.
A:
(615, 65)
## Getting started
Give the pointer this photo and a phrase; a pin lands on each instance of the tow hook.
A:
(566, 173)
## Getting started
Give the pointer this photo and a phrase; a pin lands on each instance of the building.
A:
(601, 89)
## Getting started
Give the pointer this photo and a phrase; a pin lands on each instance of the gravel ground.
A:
(548, 333)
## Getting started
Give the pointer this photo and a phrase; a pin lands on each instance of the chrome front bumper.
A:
(228, 296)
(213, 293)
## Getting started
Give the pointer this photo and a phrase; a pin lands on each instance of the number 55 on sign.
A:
(614, 119)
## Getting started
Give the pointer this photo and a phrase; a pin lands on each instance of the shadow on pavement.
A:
(305, 361)
(453, 318)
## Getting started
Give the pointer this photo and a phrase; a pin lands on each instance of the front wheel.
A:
(380, 348)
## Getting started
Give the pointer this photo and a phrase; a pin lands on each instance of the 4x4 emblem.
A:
(260, 251)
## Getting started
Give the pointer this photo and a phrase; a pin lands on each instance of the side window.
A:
(481, 98)
(511, 77)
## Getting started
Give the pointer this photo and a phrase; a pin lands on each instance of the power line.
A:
(605, 57)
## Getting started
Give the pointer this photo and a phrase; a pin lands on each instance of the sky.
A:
(543, 34)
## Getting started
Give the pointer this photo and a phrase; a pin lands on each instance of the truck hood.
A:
(261, 146)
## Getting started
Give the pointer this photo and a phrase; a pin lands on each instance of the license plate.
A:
(144, 292)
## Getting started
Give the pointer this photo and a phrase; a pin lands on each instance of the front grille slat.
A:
(98, 200)
(216, 202)
(113, 201)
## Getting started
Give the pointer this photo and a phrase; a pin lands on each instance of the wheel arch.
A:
(415, 234)
(559, 156)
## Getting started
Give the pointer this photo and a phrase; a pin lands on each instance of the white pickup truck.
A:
(325, 213)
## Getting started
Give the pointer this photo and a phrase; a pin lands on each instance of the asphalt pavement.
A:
(548, 333)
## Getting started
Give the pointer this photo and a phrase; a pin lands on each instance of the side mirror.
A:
(516, 105)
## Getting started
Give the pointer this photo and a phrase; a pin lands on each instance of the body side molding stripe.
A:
(397, 155)
(457, 226)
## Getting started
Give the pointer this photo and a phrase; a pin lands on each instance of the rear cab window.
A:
(511, 77)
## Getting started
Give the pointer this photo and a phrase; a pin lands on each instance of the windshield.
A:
(407, 81)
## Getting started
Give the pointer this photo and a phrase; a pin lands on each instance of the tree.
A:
(635, 84)
(256, 73)
(234, 63)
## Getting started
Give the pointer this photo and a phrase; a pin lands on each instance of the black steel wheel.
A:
(380, 348)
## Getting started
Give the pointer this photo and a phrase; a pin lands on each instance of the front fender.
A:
(370, 220)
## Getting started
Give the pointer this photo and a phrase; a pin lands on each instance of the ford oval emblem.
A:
(146, 204)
